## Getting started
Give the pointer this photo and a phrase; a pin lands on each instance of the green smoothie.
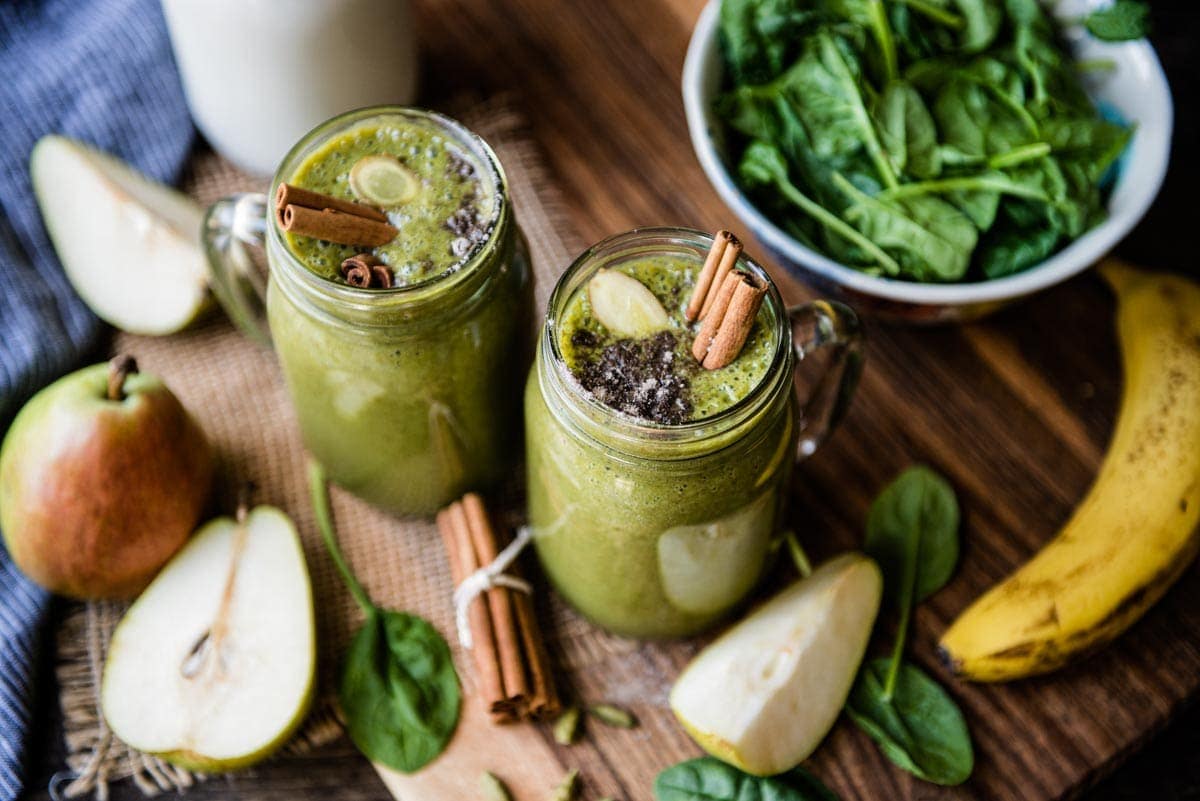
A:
(589, 350)
(440, 225)
(409, 396)
(655, 518)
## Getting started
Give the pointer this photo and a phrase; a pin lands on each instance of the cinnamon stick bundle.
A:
(726, 301)
(511, 661)
(724, 253)
(307, 213)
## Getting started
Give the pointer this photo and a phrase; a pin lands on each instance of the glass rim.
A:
(465, 267)
(625, 427)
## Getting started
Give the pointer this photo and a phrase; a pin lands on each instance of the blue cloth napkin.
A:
(100, 71)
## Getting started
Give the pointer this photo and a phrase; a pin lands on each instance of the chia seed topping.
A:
(643, 378)
(467, 228)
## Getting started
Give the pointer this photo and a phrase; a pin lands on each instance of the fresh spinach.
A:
(929, 237)
(907, 130)
(1122, 21)
(763, 164)
(919, 727)
(709, 779)
(929, 140)
(912, 533)
(398, 689)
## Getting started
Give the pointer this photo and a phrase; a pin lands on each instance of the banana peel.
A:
(1136, 530)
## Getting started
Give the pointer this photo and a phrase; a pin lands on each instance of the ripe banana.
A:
(1135, 532)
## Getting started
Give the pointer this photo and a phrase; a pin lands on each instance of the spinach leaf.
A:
(1013, 250)
(1095, 143)
(912, 527)
(919, 727)
(979, 120)
(758, 36)
(912, 533)
(1122, 21)
(764, 165)
(907, 131)
(929, 237)
(398, 690)
(823, 94)
(983, 18)
(709, 779)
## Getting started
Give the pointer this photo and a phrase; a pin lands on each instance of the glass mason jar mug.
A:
(408, 396)
(655, 530)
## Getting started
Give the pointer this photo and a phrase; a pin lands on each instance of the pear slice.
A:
(129, 245)
(624, 305)
(707, 567)
(212, 667)
(763, 696)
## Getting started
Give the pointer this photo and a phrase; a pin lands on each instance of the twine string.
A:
(486, 578)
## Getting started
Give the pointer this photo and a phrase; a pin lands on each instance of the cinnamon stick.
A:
(455, 531)
(308, 213)
(500, 603)
(337, 226)
(367, 270)
(516, 677)
(704, 280)
(288, 195)
(544, 701)
(729, 257)
(737, 321)
(713, 317)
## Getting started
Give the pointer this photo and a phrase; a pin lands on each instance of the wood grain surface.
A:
(1015, 411)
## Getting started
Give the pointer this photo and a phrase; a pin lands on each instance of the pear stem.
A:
(320, 501)
(120, 368)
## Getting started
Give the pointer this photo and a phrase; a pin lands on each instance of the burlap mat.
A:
(235, 390)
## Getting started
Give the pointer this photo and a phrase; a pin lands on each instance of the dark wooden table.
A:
(1016, 410)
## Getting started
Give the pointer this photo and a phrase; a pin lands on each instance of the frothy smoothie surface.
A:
(655, 377)
(440, 222)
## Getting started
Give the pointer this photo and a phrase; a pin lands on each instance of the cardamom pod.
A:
(566, 728)
(613, 716)
(568, 789)
(493, 789)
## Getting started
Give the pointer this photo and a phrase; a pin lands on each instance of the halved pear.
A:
(624, 305)
(212, 668)
(129, 245)
(764, 695)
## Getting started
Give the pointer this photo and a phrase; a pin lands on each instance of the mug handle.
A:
(817, 325)
(230, 226)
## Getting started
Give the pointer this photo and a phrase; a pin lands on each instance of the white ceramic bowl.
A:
(1136, 89)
